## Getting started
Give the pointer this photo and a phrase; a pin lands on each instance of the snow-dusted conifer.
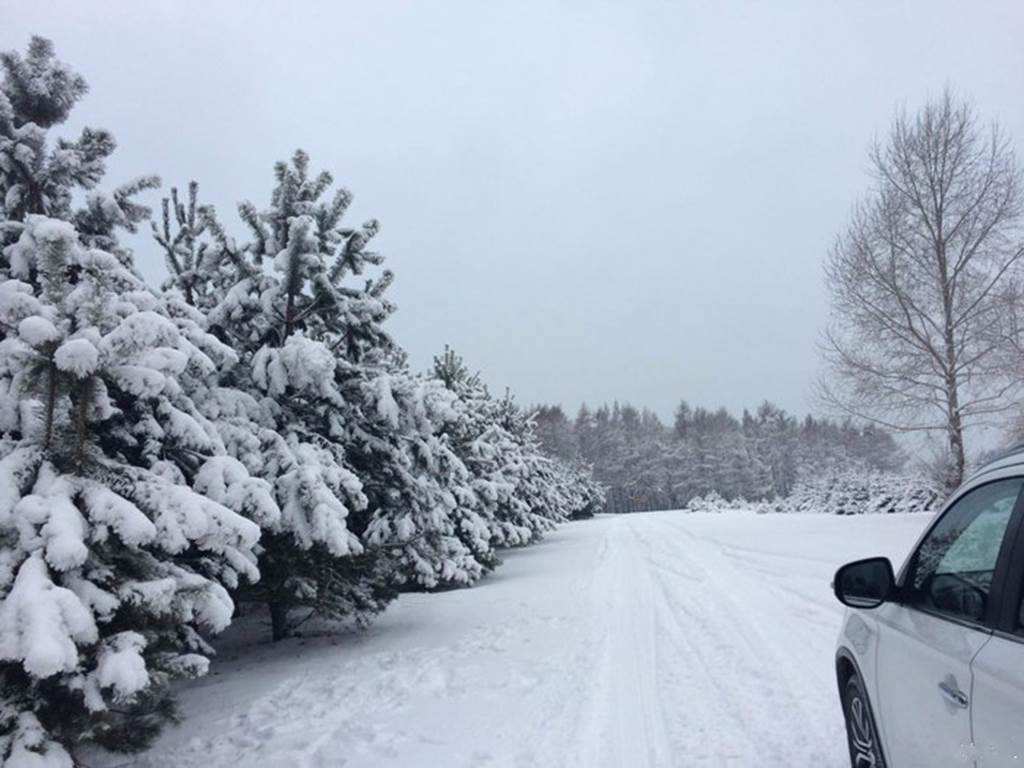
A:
(289, 408)
(187, 256)
(520, 493)
(541, 502)
(422, 506)
(586, 495)
(385, 421)
(489, 453)
(112, 558)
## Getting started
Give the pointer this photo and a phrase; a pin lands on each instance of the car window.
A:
(952, 569)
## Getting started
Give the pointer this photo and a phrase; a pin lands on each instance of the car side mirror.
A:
(865, 583)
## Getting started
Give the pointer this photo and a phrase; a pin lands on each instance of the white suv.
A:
(931, 663)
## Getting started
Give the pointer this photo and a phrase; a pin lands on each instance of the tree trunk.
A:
(51, 403)
(289, 312)
(279, 627)
(81, 423)
(956, 442)
(954, 421)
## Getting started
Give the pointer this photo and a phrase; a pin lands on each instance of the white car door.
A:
(928, 639)
(998, 703)
(997, 707)
(920, 724)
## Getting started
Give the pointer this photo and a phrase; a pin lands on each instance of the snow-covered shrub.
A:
(712, 501)
(856, 493)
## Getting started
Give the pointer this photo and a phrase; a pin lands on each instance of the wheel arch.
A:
(846, 667)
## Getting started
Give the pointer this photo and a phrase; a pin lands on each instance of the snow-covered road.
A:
(661, 639)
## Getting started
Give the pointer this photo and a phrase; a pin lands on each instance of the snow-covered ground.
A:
(659, 639)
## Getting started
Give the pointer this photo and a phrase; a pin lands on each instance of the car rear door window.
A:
(953, 567)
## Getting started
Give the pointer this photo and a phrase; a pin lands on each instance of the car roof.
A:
(1011, 457)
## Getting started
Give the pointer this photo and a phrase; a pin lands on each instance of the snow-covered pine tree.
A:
(113, 557)
(541, 500)
(422, 505)
(474, 438)
(557, 491)
(282, 411)
(386, 422)
(520, 492)
(413, 506)
(588, 496)
(187, 255)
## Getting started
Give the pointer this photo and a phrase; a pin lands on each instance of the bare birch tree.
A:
(920, 279)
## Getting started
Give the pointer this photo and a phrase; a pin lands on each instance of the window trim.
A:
(1010, 557)
(1011, 592)
(1007, 636)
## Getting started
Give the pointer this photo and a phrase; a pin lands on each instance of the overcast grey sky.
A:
(588, 200)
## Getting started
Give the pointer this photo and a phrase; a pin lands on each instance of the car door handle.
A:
(954, 695)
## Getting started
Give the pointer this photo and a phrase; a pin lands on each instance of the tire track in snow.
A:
(688, 681)
(759, 654)
(623, 726)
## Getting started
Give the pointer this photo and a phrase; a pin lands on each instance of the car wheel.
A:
(861, 734)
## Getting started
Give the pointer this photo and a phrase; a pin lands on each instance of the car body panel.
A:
(997, 703)
(916, 652)
(902, 655)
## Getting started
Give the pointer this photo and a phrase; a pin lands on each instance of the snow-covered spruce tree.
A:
(112, 558)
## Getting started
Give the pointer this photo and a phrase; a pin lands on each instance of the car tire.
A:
(861, 733)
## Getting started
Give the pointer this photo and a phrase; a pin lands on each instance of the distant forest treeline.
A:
(647, 465)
